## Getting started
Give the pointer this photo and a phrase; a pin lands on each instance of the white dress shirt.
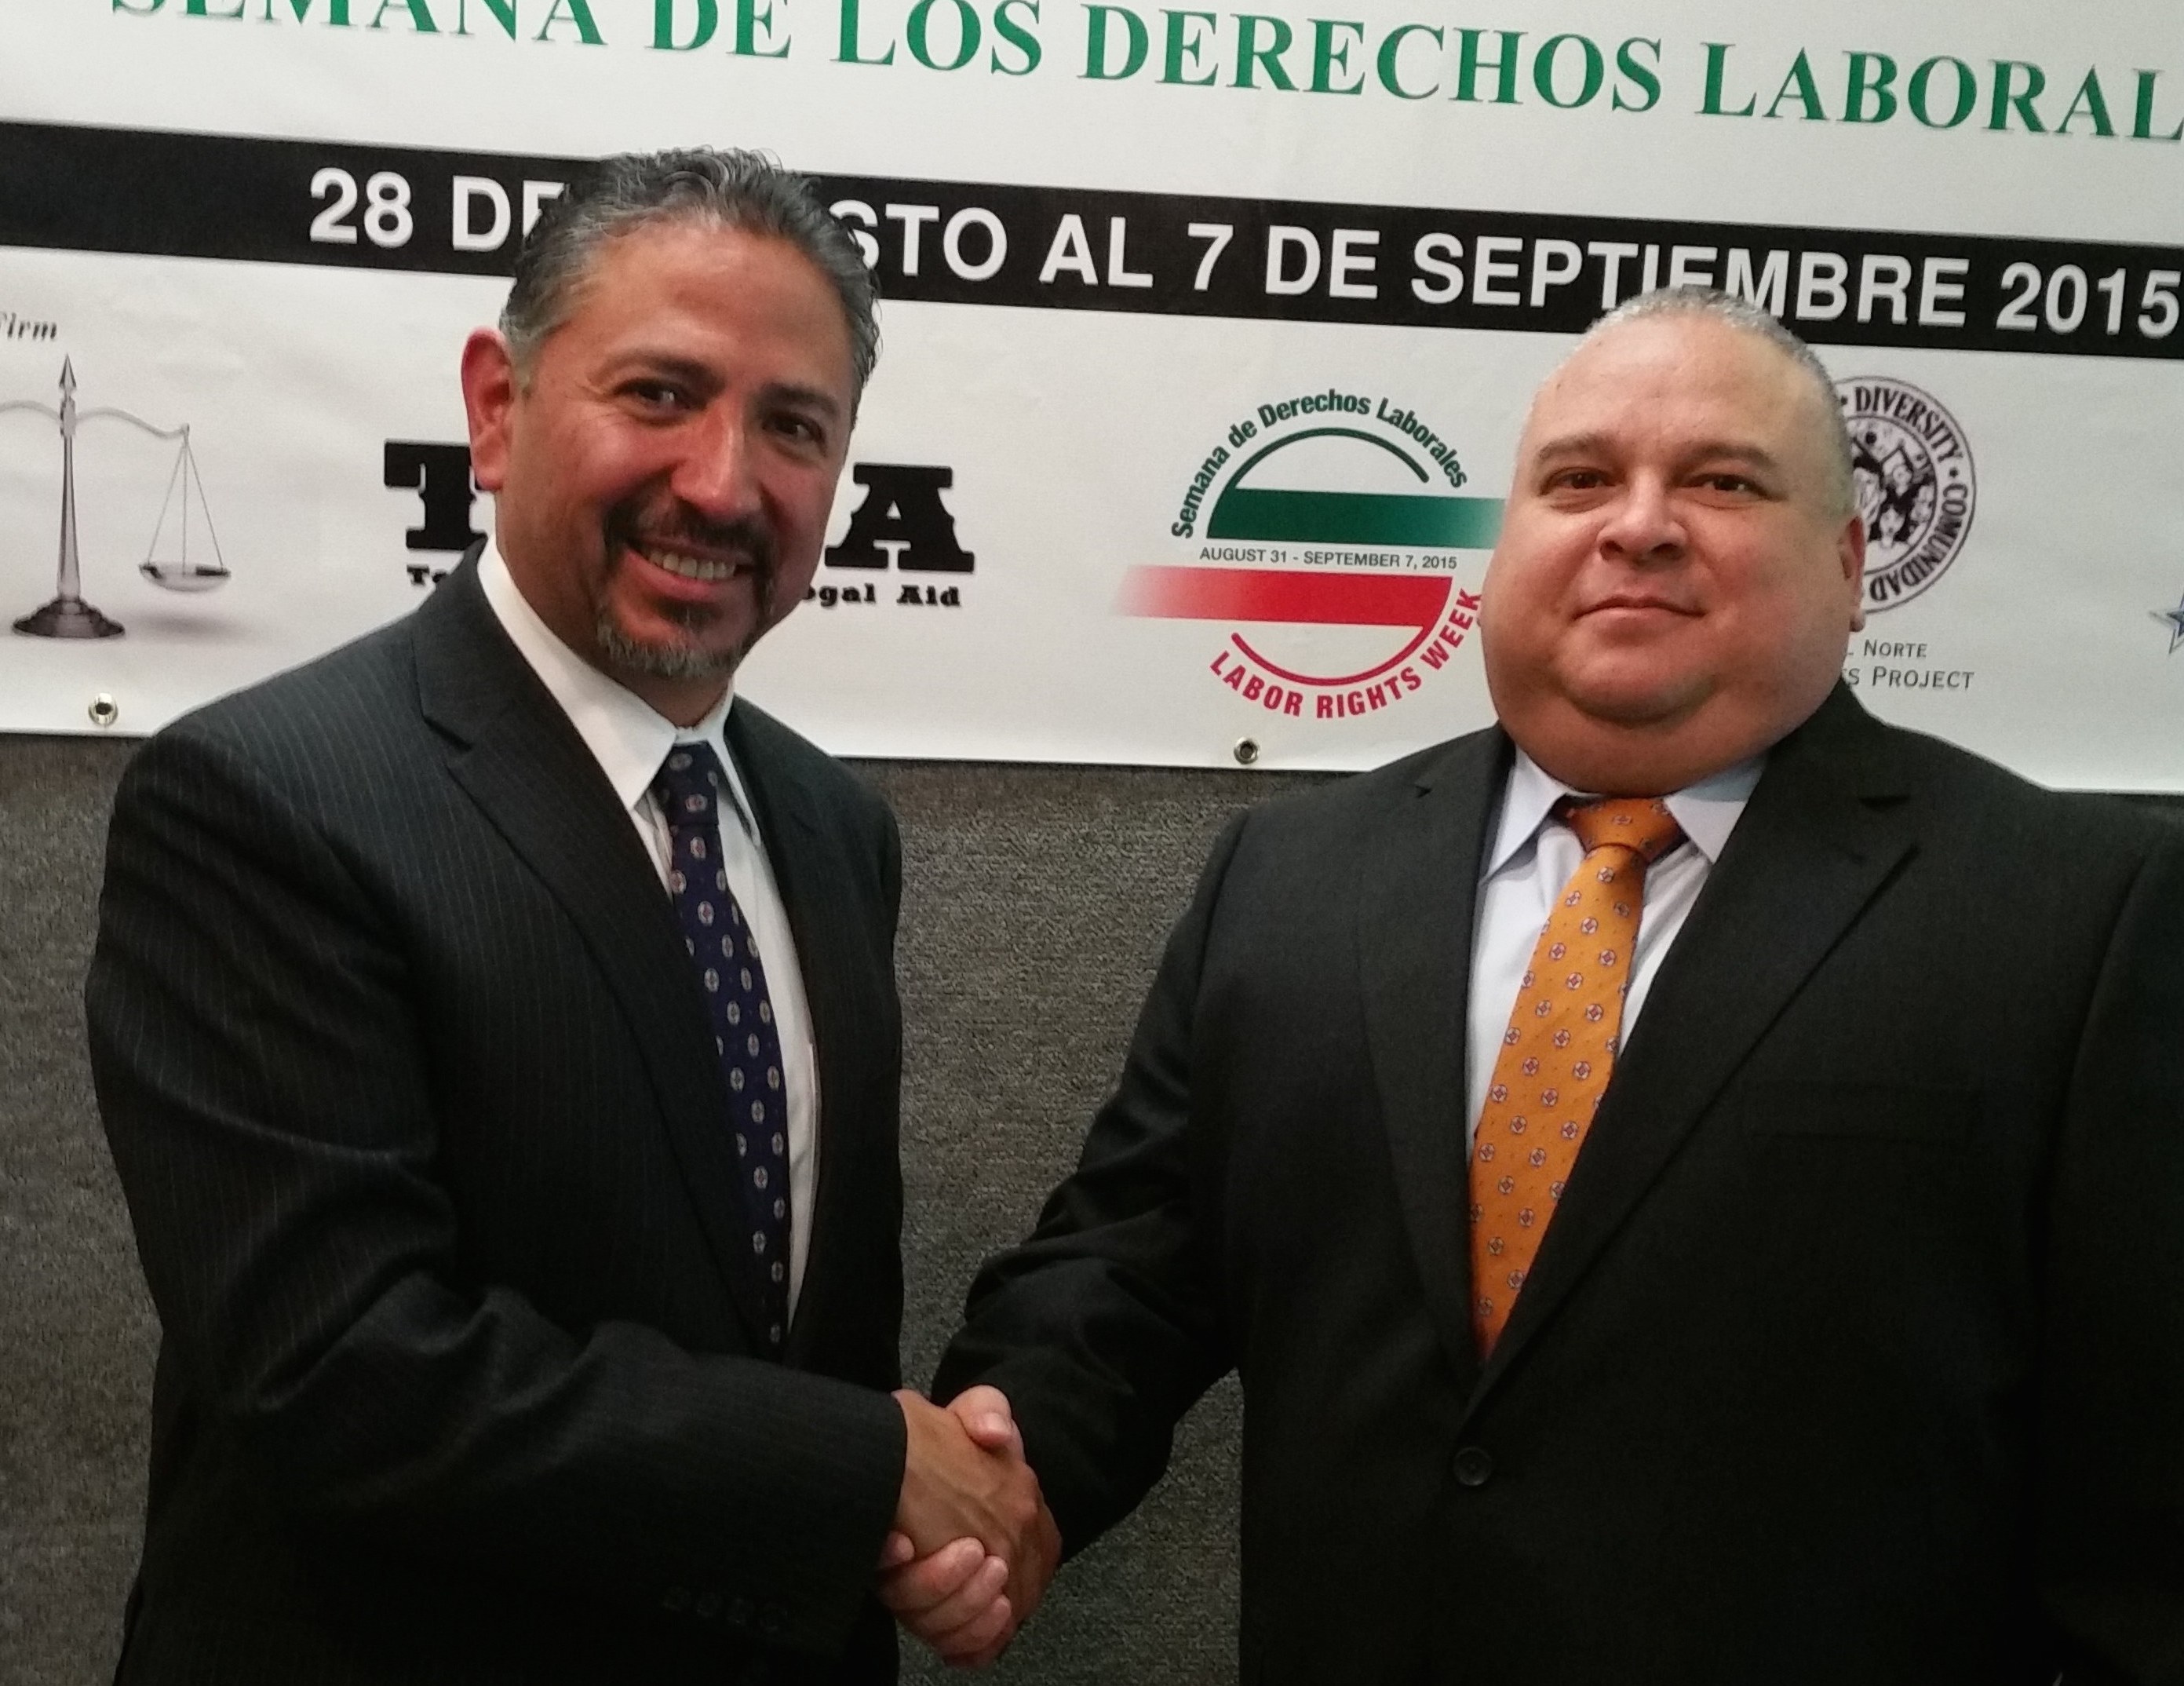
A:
(1531, 857)
(630, 741)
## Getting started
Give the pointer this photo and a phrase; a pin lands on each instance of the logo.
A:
(2174, 620)
(1327, 533)
(1916, 488)
(901, 522)
(183, 513)
(440, 473)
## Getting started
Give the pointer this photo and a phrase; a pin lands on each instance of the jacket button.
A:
(1474, 1466)
(676, 1598)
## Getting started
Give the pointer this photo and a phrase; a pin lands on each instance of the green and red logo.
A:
(1329, 534)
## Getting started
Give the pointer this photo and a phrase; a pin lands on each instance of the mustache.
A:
(650, 528)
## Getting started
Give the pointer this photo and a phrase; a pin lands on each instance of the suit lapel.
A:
(1824, 829)
(523, 763)
(1416, 896)
(806, 860)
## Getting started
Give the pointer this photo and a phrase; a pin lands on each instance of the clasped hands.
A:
(974, 1545)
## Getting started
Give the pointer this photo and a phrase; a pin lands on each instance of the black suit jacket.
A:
(1855, 1353)
(410, 1088)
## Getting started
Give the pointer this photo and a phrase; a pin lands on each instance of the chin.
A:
(1635, 704)
(668, 652)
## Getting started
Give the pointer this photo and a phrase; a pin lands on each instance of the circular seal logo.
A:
(1916, 489)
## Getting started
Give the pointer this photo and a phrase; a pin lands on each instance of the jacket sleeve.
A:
(1105, 1327)
(2110, 1457)
(266, 1084)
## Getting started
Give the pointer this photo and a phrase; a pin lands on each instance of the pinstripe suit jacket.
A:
(412, 1094)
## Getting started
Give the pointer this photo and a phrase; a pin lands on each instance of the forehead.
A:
(1662, 382)
(698, 285)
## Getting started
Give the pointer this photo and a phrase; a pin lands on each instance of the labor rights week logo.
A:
(1326, 537)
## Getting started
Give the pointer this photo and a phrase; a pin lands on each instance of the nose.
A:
(1645, 524)
(716, 471)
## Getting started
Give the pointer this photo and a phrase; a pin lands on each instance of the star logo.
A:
(2174, 620)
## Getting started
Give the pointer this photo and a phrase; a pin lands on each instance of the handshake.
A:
(974, 1545)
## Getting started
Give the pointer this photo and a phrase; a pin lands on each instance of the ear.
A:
(490, 395)
(1849, 550)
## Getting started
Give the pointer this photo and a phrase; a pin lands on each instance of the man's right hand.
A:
(974, 1545)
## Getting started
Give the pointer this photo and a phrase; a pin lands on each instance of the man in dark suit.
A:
(495, 1025)
(1784, 1285)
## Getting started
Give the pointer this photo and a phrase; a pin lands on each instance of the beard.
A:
(689, 658)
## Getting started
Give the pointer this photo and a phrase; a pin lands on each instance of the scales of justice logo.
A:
(1912, 468)
(68, 615)
(1327, 532)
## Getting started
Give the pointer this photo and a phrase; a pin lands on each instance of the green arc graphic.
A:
(1357, 518)
(1415, 518)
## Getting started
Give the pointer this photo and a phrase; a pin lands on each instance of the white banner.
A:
(1208, 335)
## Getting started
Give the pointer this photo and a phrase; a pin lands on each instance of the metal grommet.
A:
(105, 711)
(1246, 752)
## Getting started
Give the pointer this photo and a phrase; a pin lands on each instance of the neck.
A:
(681, 702)
(1617, 760)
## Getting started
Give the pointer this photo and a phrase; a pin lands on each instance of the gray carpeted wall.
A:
(1035, 902)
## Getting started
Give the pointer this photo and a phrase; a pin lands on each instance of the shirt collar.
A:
(625, 735)
(1707, 811)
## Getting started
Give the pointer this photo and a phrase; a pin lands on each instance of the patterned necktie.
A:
(1559, 1048)
(690, 789)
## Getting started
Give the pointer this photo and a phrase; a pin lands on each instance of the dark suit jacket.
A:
(412, 1093)
(1855, 1353)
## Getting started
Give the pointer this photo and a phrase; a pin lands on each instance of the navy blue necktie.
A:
(690, 789)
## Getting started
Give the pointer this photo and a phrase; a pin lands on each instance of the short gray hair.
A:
(746, 191)
(1746, 317)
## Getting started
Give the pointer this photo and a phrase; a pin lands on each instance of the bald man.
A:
(1692, 1178)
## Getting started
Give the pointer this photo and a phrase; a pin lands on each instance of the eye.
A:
(1731, 484)
(799, 428)
(656, 396)
(1577, 480)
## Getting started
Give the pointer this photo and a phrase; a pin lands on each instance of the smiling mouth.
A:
(704, 570)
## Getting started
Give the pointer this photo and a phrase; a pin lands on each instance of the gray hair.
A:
(746, 191)
(1746, 317)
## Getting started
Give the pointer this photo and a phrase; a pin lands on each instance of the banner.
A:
(1206, 338)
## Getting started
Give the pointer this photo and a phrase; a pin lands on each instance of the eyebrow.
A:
(1572, 444)
(686, 369)
(1596, 444)
(810, 398)
(691, 372)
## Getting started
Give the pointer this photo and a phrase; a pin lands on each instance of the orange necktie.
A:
(1559, 1049)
